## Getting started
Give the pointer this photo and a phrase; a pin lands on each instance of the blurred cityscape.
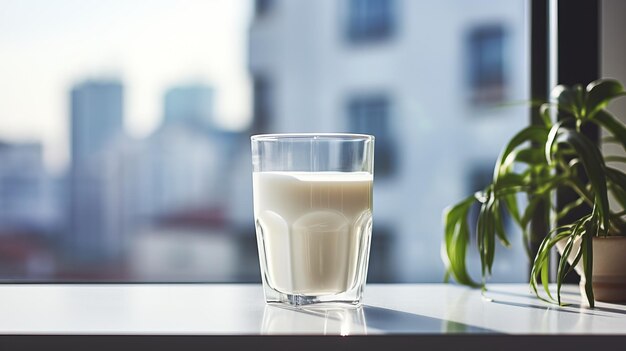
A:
(426, 78)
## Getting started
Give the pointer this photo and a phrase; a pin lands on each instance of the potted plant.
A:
(537, 161)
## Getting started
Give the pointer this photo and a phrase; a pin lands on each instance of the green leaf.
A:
(565, 98)
(534, 133)
(456, 238)
(600, 93)
(613, 158)
(552, 134)
(612, 124)
(544, 112)
(545, 277)
(481, 236)
(587, 247)
(617, 186)
(593, 164)
(510, 180)
(490, 244)
(499, 226)
(530, 210)
(579, 93)
(616, 176)
(561, 270)
(510, 202)
(531, 156)
(486, 232)
(610, 140)
(577, 258)
(619, 194)
(540, 265)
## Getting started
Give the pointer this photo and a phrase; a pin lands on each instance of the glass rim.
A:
(307, 136)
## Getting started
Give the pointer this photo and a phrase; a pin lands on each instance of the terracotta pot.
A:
(609, 268)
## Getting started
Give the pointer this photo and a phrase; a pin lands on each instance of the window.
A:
(370, 114)
(486, 69)
(262, 7)
(370, 20)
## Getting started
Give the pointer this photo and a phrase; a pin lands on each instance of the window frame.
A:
(359, 106)
(484, 89)
(564, 49)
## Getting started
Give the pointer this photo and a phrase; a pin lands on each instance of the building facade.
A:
(426, 88)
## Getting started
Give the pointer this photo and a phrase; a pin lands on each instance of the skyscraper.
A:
(192, 103)
(96, 117)
(186, 154)
(96, 122)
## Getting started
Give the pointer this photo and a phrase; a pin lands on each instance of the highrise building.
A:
(96, 118)
(96, 124)
(184, 174)
(192, 103)
(185, 158)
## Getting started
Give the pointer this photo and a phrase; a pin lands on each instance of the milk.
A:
(313, 229)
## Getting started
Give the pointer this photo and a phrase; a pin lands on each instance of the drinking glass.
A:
(313, 215)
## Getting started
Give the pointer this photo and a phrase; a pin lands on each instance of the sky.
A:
(48, 46)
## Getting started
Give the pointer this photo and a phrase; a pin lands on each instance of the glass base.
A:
(351, 297)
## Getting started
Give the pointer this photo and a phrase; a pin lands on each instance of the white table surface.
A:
(223, 309)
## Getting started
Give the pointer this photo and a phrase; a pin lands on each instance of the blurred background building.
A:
(27, 194)
(29, 212)
(173, 202)
(95, 232)
(425, 78)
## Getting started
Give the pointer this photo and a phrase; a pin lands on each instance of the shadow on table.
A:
(398, 322)
(350, 320)
(574, 307)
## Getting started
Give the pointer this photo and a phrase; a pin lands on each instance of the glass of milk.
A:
(313, 215)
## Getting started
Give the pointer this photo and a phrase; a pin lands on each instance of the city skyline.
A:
(154, 205)
(115, 196)
(208, 47)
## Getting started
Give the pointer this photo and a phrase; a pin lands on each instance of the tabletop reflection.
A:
(317, 319)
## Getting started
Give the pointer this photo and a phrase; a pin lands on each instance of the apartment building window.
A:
(487, 76)
(370, 20)
(371, 114)
(262, 7)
